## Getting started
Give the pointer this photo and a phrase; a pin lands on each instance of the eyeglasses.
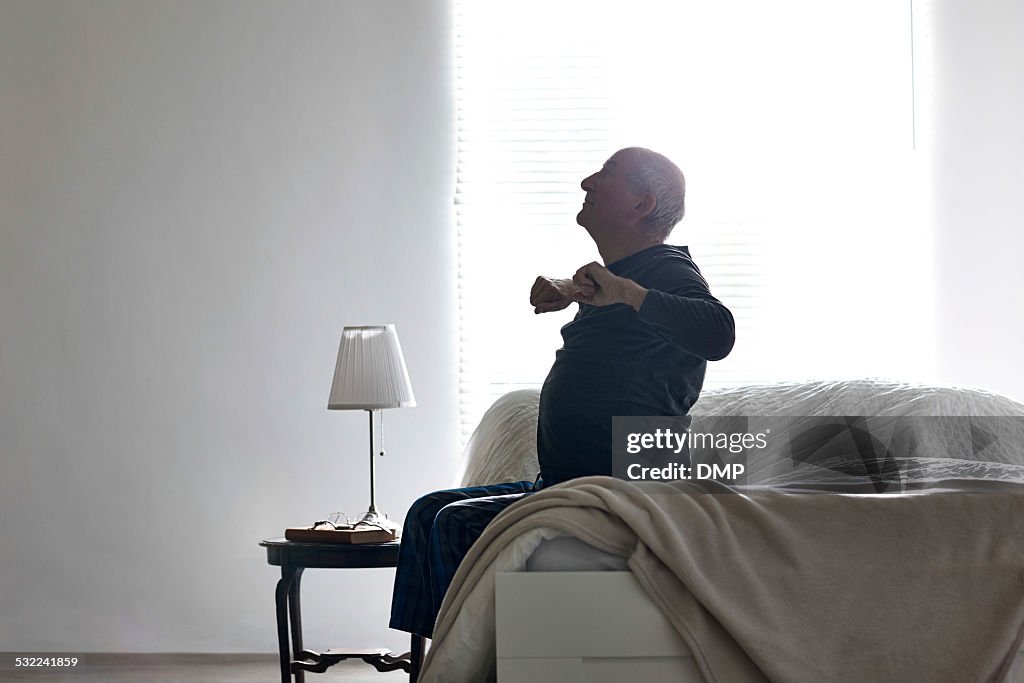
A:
(339, 521)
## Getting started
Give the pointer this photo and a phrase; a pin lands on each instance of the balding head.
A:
(654, 173)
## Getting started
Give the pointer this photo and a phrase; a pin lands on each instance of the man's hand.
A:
(549, 294)
(598, 286)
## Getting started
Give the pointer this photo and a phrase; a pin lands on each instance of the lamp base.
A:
(374, 518)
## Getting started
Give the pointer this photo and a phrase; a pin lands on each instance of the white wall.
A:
(978, 110)
(195, 197)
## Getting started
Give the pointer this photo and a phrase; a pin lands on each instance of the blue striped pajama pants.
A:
(439, 530)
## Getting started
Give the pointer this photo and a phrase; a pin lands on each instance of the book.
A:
(355, 536)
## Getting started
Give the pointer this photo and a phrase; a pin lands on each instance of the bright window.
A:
(793, 123)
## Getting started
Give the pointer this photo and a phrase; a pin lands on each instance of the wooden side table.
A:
(294, 558)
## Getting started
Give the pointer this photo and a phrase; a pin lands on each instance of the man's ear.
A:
(648, 203)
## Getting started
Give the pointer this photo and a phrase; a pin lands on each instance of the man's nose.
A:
(587, 183)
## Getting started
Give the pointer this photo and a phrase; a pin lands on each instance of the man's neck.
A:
(610, 253)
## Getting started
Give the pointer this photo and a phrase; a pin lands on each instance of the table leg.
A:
(295, 613)
(284, 585)
(415, 657)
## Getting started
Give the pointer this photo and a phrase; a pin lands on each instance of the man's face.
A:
(608, 202)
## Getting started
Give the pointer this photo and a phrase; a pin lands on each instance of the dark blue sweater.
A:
(618, 361)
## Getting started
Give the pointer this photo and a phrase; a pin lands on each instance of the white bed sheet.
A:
(570, 554)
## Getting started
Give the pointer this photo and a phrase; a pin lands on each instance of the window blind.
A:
(792, 123)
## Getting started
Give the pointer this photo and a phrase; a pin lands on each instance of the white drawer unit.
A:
(597, 627)
(592, 627)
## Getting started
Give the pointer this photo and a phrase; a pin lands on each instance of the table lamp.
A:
(371, 375)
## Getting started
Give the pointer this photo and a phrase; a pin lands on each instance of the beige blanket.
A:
(764, 585)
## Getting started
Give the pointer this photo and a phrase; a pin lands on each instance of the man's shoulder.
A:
(669, 261)
(673, 254)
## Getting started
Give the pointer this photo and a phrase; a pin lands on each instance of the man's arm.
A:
(700, 326)
(554, 294)
(598, 286)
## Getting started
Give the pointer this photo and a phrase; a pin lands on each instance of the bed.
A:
(881, 539)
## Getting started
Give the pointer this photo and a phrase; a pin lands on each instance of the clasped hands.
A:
(592, 284)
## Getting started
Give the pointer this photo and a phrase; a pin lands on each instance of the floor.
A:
(183, 668)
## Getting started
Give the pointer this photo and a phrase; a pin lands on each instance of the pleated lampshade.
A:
(370, 373)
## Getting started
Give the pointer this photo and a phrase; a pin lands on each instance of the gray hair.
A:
(655, 173)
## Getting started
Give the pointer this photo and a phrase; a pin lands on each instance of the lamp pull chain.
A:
(381, 442)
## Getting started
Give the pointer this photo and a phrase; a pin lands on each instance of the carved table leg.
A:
(415, 658)
(295, 613)
(288, 575)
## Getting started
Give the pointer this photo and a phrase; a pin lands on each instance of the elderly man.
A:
(639, 345)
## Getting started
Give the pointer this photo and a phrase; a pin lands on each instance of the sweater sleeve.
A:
(696, 322)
